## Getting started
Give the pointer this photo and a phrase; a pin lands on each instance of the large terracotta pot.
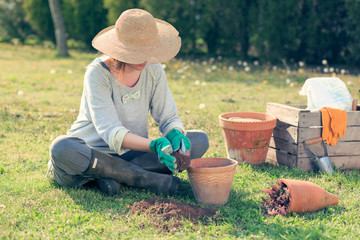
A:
(211, 179)
(247, 135)
(306, 196)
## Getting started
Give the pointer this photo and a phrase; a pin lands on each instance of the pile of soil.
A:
(278, 201)
(182, 160)
(166, 209)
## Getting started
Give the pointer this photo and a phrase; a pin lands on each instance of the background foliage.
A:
(266, 30)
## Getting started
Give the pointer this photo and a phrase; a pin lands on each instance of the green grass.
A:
(39, 98)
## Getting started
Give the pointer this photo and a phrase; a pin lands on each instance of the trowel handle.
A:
(313, 140)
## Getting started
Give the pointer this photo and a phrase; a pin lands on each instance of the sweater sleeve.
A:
(163, 108)
(100, 105)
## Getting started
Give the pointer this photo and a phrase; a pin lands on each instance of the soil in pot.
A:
(278, 201)
(296, 196)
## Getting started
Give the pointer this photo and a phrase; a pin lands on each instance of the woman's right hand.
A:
(163, 148)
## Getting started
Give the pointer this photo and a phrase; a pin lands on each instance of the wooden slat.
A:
(285, 146)
(342, 162)
(284, 113)
(298, 116)
(292, 134)
(283, 158)
(340, 149)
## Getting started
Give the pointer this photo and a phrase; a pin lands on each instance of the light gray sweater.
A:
(109, 109)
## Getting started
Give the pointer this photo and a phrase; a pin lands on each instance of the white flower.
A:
(331, 69)
(69, 71)
(274, 68)
(247, 69)
(208, 70)
(53, 71)
(256, 63)
(231, 68)
(20, 93)
(197, 82)
(213, 67)
(324, 62)
(287, 81)
(245, 64)
(203, 84)
(163, 66)
(202, 106)
(301, 63)
(349, 83)
(326, 70)
(343, 71)
(239, 62)
(204, 63)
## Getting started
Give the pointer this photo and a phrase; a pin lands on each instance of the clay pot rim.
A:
(233, 164)
(268, 123)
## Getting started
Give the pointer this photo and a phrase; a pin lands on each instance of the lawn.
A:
(39, 98)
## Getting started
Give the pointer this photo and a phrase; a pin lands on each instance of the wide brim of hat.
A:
(163, 49)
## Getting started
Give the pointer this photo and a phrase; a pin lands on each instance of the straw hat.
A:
(138, 37)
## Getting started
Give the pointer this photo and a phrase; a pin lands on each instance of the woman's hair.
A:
(120, 66)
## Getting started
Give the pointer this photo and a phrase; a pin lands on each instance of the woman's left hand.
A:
(176, 138)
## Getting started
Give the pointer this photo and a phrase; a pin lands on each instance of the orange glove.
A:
(327, 134)
(338, 121)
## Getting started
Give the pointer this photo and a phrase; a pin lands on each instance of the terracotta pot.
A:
(247, 135)
(306, 196)
(211, 179)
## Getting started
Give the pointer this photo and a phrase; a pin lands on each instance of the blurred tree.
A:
(12, 20)
(84, 19)
(60, 29)
(330, 39)
(183, 15)
(352, 52)
(116, 7)
(278, 29)
(39, 16)
(236, 20)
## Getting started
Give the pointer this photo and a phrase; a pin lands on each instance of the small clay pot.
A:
(306, 196)
(211, 179)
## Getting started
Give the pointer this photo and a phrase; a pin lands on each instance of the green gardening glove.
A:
(177, 138)
(163, 148)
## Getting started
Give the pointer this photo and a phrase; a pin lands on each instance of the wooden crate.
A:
(296, 124)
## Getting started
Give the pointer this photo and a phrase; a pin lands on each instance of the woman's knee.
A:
(199, 143)
(63, 146)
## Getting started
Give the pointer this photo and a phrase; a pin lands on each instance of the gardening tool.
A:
(323, 164)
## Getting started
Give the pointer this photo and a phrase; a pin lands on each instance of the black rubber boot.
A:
(108, 186)
(150, 162)
(103, 165)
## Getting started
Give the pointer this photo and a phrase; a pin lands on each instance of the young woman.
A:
(109, 140)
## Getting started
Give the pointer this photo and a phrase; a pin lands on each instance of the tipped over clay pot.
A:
(306, 196)
(211, 179)
(247, 135)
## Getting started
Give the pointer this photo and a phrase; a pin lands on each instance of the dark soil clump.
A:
(182, 160)
(278, 201)
(163, 210)
(169, 208)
